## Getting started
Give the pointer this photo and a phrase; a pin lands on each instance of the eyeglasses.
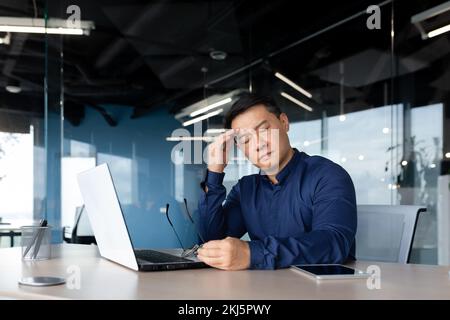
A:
(192, 221)
(186, 252)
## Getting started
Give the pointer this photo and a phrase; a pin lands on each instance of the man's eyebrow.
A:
(255, 128)
(260, 124)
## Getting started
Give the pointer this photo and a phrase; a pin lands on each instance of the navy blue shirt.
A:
(308, 217)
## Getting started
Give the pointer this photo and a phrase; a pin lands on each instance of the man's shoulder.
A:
(317, 161)
(318, 165)
(314, 166)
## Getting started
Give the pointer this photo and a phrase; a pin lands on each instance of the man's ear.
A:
(285, 121)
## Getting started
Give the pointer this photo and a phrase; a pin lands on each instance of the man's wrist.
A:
(213, 179)
(256, 248)
(247, 254)
(216, 170)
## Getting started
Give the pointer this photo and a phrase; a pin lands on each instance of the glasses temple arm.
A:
(173, 228)
(192, 220)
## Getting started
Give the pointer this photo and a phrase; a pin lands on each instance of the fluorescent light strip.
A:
(439, 31)
(211, 106)
(215, 131)
(23, 29)
(301, 104)
(181, 138)
(203, 117)
(293, 84)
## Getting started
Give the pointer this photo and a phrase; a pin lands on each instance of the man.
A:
(299, 209)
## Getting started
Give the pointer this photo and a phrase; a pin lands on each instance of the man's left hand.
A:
(227, 254)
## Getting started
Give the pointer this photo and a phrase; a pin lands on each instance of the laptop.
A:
(111, 232)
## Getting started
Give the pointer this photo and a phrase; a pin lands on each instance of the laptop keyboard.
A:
(158, 257)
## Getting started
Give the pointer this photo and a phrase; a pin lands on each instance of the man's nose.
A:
(261, 144)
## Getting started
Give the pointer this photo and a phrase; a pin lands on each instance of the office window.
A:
(306, 136)
(70, 192)
(418, 181)
(361, 144)
(16, 176)
(121, 170)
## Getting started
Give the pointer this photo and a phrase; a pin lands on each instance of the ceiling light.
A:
(211, 106)
(342, 118)
(439, 31)
(404, 163)
(203, 117)
(13, 89)
(297, 102)
(208, 103)
(385, 130)
(214, 131)
(447, 155)
(181, 138)
(24, 29)
(13, 86)
(293, 84)
(361, 157)
(39, 25)
(427, 20)
(218, 55)
(393, 186)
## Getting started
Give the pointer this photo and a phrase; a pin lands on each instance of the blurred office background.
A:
(376, 101)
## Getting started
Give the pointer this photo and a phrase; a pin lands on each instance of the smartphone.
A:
(329, 271)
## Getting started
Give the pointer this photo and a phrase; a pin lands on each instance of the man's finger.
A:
(213, 262)
(213, 244)
(226, 136)
(210, 252)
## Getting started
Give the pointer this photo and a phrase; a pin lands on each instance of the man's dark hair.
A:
(247, 101)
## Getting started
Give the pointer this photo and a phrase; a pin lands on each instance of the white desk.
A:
(102, 279)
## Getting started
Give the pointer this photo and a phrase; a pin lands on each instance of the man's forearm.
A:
(319, 246)
(210, 207)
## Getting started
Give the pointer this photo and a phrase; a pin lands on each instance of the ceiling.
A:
(146, 54)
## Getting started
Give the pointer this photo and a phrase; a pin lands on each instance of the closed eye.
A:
(244, 139)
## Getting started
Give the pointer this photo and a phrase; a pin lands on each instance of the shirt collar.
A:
(284, 173)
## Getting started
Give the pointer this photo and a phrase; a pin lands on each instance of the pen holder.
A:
(36, 242)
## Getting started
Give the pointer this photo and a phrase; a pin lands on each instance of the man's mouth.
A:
(265, 156)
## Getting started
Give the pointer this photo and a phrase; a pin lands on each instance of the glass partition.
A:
(373, 98)
(376, 106)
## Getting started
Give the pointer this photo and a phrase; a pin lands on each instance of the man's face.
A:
(262, 136)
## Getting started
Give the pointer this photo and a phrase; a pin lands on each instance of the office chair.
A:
(81, 233)
(385, 233)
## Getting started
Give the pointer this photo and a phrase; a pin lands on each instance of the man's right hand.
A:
(218, 151)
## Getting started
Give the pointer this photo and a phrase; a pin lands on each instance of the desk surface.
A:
(102, 279)
(9, 227)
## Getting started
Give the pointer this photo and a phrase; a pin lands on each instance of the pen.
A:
(41, 233)
(42, 223)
